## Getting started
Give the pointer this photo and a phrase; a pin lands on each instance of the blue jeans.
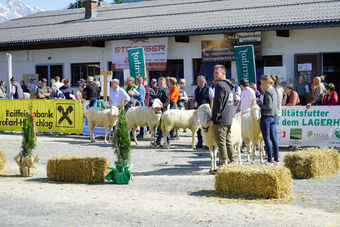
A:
(269, 133)
(199, 137)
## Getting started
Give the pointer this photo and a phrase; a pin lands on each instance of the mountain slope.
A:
(16, 8)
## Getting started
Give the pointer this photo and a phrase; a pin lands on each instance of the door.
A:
(42, 71)
(49, 72)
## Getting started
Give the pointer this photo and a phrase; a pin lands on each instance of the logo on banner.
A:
(65, 115)
(317, 136)
(281, 133)
(296, 133)
(336, 133)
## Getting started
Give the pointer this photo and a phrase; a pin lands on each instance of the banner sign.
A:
(318, 126)
(220, 47)
(50, 115)
(136, 62)
(280, 71)
(155, 49)
(245, 63)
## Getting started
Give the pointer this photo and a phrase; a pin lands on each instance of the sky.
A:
(48, 4)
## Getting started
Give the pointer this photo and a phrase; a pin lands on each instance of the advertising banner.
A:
(245, 63)
(50, 115)
(136, 62)
(155, 50)
(220, 47)
(318, 126)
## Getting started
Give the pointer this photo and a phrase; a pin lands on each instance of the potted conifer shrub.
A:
(25, 159)
(121, 172)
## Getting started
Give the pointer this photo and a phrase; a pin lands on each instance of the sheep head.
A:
(203, 115)
(114, 111)
(156, 104)
(256, 112)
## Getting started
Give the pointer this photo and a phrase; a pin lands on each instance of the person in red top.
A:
(290, 97)
(174, 92)
(331, 97)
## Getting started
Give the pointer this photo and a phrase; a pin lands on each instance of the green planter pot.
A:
(119, 174)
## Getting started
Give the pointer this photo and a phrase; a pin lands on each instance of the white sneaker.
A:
(277, 163)
(269, 163)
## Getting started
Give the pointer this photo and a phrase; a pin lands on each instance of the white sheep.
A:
(209, 135)
(144, 116)
(251, 131)
(99, 116)
(176, 119)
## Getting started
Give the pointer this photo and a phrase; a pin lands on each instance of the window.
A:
(116, 74)
(207, 69)
(174, 68)
(83, 70)
(267, 61)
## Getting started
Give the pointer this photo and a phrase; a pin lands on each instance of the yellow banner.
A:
(50, 115)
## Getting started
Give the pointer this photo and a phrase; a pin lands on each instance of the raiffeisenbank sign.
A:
(155, 52)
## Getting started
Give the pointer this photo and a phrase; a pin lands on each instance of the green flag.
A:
(136, 62)
(245, 63)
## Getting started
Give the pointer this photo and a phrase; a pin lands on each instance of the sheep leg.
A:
(152, 130)
(166, 144)
(261, 151)
(239, 153)
(253, 153)
(134, 134)
(193, 139)
(212, 158)
(248, 151)
(91, 128)
(105, 141)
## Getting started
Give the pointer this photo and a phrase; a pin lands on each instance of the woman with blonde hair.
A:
(269, 109)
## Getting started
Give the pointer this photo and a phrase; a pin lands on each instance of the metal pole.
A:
(9, 74)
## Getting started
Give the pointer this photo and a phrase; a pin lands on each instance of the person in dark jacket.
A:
(203, 94)
(92, 91)
(24, 87)
(222, 114)
(16, 90)
(153, 91)
(163, 95)
(269, 111)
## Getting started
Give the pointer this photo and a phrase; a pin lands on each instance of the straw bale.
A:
(313, 163)
(77, 169)
(2, 161)
(250, 181)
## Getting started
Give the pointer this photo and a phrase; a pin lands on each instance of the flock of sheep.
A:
(245, 126)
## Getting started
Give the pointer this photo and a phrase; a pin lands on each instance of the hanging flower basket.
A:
(27, 165)
(120, 174)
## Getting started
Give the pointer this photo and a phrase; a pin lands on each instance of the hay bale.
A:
(313, 163)
(250, 181)
(77, 169)
(2, 161)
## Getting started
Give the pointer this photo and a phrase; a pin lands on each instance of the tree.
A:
(77, 4)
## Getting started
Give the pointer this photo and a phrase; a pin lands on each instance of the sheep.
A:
(144, 116)
(179, 119)
(209, 136)
(251, 131)
(99, 116)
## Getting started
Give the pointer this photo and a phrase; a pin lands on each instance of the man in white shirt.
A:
(247, 96)
(57, 82)
(118, 95)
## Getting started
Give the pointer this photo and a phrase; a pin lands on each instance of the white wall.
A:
(319, 40)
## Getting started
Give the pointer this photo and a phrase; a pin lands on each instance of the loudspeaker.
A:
(182, 39)
(282, 33)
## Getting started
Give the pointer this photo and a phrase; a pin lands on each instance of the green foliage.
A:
(77, 4)
(121, 140)
(28, 141)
